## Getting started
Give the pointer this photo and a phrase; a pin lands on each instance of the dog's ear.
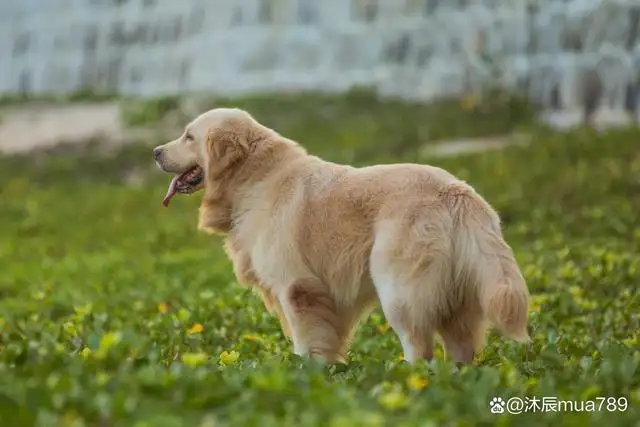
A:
(225, 149)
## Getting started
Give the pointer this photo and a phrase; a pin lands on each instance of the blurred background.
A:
(107, 300)
(562, 62)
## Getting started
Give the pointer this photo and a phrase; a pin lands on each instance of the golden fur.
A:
(323, 243)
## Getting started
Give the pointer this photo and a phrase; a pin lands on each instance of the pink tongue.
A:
(171, 191)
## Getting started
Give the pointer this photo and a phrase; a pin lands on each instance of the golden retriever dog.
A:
(323, 243)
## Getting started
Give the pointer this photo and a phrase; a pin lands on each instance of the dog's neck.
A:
(222, 198)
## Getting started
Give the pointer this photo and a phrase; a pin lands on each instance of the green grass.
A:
(360, 124)
(103, 292)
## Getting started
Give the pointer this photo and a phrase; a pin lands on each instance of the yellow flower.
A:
(252, 338)
(537, 301)
(393, 400)
(417, 382)
(229, 357)
(107, 342)
(194, 359)
(163, 307)
(195, 329)
(86, 352)
(383, 328)
(576, 291)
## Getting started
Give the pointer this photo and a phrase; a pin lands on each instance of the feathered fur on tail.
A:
(484, 261)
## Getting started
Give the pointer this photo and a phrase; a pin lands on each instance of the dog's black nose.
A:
(157, 152)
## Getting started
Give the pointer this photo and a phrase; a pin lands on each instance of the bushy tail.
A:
(484, 261)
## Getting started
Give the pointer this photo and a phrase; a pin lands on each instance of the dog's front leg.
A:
(273, 306)
(242, 267)
(315, 325)
(245, 274)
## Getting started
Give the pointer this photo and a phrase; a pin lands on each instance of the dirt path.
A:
(472, 145)
(36, 127)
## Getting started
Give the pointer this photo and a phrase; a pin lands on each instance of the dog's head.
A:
(212, 147)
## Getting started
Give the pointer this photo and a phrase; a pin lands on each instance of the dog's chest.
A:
(273, 251)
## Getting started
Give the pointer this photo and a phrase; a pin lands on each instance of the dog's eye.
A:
(188, 137)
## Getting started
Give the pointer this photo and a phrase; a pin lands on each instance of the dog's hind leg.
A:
(416, 338)
(405, 311)
(463, 337)
(414, 329)
(409, 267)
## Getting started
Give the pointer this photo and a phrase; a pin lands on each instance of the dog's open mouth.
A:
(187, 182)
